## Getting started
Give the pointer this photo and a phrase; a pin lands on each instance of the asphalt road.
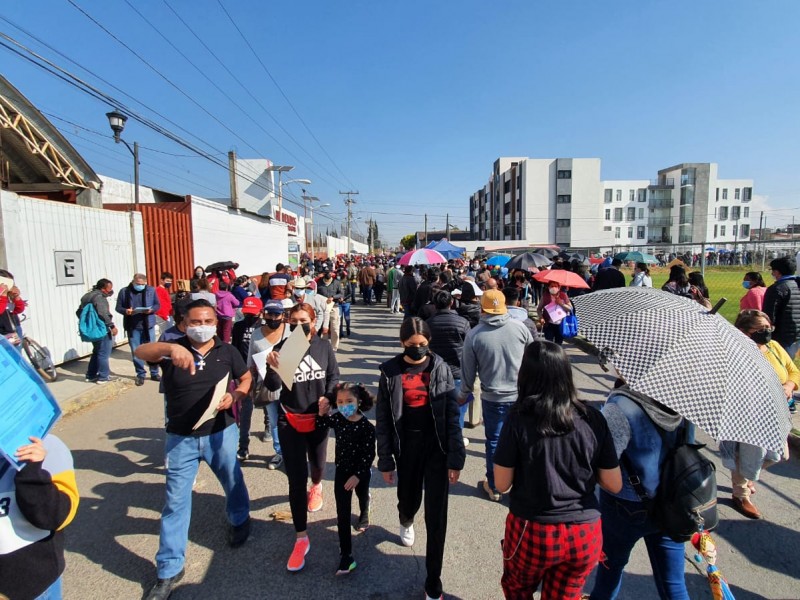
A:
(118, 450)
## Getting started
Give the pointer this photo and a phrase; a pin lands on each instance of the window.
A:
(507, 230)
(619, 195)
(736, 193)
(607, 196)
(748, 194)
(717, 198)
(630, 233)
(715, 230)
(608, 214)
(506, 187)
(722, 230)
(744, 231)
(640, 232)
(616, 232)
(642, 195)
(746, 212)
(618, 214)
(519, 181)
(641, 213)
(607, 228)
(631, 214)
(724, 193)
(507, 208)
(723, 214)
(631, 195)
(562, 222)
(564, 174)
(735, 212)
(566, 199)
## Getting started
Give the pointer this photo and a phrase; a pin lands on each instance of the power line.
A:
(285, 97)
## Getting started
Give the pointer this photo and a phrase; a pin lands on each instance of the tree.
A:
(409, 241)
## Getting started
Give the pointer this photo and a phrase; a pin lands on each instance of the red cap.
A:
(252, 306)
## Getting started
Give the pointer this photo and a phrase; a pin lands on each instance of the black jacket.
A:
(471, 312)
(422, 296)
(782, 305)
(448, 331)
(407, 289)
(609, 278)
(444, 408)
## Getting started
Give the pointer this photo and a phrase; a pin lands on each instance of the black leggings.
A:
(344, 502)
(299, 451)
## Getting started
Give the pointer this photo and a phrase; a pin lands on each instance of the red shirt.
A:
(164, 300)
(415, 389)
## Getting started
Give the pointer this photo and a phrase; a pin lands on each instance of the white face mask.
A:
(553, 291)
(201, 333)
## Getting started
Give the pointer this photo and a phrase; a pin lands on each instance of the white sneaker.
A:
(466, 442)
(430, 598)
(407, 535)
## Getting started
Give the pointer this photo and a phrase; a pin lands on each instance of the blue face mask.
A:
(139, 287)
(309, 293)
(746, 285)
(348, 410)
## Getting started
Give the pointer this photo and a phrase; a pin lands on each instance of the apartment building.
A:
(563, 201)
(541, 200)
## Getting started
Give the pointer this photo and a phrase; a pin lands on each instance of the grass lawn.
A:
(722, 282)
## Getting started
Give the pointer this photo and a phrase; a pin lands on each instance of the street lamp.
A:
(280, 169)
(117, 122)
(311, 200)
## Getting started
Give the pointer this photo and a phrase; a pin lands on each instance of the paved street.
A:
(118, 450)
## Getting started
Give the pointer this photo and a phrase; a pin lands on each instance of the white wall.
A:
(221, 233)
(111, 245)
(339, 246)
(116, 191)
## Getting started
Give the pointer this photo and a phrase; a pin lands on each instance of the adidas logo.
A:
(308, 369)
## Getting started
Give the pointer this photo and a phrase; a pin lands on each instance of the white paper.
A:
(290, 355)
(219, 391)
(260, 361)
(556, 313)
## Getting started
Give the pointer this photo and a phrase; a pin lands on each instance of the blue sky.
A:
(414, 100)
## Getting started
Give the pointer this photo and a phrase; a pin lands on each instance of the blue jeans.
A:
(344, 309)
(272, 412)
(136, 338)
(53, 592)
(183, 456)
(625, 522)
(462, 410)
(494, 415)
(98, 364)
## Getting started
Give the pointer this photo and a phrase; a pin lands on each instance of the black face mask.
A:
(272, 323)
(415, 352)
(761, 337)
(306, 327)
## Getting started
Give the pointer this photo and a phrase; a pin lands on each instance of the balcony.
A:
(660, 222)
(661, 203)
(659, 239)
(662, 183)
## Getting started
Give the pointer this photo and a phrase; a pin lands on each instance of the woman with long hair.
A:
(756, 288)
(419, 437)
(302, 440)
(641, 276)
(553, 450)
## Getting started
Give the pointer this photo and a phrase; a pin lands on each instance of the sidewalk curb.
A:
(794, 439)
(95, 395)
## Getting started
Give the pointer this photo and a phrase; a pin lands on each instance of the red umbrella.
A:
(562, 278)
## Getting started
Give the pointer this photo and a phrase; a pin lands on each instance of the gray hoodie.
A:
(493, 351)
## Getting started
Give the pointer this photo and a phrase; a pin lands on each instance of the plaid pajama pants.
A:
(559, 556)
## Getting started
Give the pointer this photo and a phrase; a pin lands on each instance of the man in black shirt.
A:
(610, 278)
(197, 372)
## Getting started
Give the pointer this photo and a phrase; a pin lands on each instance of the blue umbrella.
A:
(498, 261)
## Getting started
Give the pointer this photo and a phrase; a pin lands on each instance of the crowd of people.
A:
(470, 333)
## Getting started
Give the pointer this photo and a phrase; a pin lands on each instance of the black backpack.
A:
(686, 502)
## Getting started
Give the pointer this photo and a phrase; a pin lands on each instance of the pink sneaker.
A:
(298, 558)
(315, 500)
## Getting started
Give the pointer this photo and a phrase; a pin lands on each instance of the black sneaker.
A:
(238, 534)
(242, 455)
(139, 380)
(163, 587)
(346, 565)
(363, 520)
(155, 377)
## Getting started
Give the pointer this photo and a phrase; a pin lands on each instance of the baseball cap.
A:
(493, 302)
(300, 283)
(312, 285)
(478, 291)
(251, 306)
(274, 307)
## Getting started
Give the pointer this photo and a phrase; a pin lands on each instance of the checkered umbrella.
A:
(675, 351)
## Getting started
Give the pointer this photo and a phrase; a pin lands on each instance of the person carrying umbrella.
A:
(553, 307)
(746, 460)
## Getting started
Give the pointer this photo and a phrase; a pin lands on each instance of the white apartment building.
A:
(563, 201)
(542, 201)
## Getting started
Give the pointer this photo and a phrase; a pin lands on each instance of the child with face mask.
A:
(355, 451)
(419, 436)
(553, 294)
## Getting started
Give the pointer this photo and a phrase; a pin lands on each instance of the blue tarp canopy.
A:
(446, 249)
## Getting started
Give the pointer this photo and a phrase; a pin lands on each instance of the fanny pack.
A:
(301, 423)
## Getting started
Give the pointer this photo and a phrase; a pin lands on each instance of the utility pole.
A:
(426, 230)
(349, 202)
(447, 227)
